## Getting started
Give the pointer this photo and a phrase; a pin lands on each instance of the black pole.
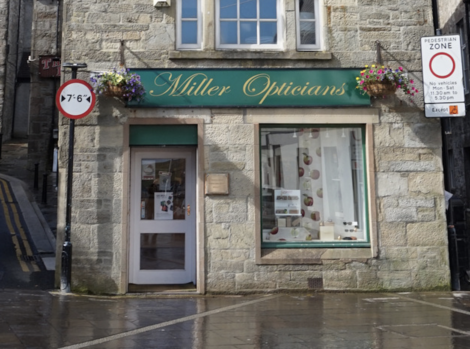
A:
(66, 267)
(44, 188)
(467, 24)
(36, 175)
(454, 258)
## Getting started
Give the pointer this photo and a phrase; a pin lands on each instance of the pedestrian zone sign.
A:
(442, 76)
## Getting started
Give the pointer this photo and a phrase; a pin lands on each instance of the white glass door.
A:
(163, 216)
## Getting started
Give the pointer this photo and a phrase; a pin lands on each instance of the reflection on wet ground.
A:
(38, 319)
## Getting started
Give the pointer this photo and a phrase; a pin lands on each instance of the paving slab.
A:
(39, 319)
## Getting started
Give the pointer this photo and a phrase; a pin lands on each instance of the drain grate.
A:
(315, 283)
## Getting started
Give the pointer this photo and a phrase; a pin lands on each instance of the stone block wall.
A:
(412, 244)
(9, 12)
(42, 111)
(447, 9)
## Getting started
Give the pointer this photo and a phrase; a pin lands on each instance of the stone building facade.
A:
(43, 114)
(16, 46)
(254, 221)
(31, 31)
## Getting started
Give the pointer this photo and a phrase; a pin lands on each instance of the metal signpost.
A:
(75, 99)
(443, 76)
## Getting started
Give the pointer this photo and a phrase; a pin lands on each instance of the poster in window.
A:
(163, 206)
(287, 203)
(164, 181)
(148, 171)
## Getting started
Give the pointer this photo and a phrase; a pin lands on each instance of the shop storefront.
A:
(284, 177)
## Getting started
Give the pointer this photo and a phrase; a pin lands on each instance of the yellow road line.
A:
(26, 245)
(14, 239)
(16, 217)
(7, 192)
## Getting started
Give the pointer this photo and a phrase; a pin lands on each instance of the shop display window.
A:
(313, 186)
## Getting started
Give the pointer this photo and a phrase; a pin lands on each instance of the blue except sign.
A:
(250, 88)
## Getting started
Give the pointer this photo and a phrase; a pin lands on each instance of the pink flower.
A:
(401, 69)
(408, 92)
(367, 76)
(416, 90)
(362, 74)
(371, 71)
(364, 88)
(361, 82)
(398, 86)
(379, 71)
(412, 94)
(411, 81)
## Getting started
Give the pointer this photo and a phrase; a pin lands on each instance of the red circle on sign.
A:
(59, 100)
(442, 76)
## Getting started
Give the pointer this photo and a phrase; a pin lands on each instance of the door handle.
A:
(189, 210)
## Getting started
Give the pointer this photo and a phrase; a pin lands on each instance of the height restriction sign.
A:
(75, 99)
(442, 76)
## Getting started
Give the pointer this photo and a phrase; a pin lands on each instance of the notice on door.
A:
(148, 170)
(163, 206)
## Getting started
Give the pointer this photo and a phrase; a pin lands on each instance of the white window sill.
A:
(237, 55)
(311, 255)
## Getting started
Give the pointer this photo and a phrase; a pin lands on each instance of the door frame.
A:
(126, 197)
(186, 226)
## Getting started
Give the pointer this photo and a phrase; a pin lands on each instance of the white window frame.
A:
(179, 26)
(280, 30)
(317, 46)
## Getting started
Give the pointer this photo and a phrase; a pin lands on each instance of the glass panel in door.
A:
(163, 189)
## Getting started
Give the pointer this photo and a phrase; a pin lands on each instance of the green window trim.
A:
(363, 243)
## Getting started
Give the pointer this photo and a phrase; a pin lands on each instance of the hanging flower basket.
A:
(122, 84)
(113, 91)
(380, 88)
(381, 82)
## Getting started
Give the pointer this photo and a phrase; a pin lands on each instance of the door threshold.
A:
(184, 288)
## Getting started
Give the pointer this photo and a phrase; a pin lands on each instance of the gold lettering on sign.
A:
(173, 84)
(198, 84)
(262, 85)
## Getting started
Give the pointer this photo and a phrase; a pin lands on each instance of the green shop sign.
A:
(250, 88)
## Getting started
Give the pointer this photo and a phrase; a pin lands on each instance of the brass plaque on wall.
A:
(217, 184)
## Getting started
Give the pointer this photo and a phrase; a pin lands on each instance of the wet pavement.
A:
(39, 319)
(34, 316)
